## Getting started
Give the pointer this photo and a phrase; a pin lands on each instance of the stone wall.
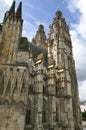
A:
(12, 117)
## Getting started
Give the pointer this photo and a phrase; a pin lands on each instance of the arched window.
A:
(43, 116)
(28, 117)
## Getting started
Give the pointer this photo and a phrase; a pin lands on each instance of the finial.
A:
(41, 27)
(12, 9)
(19, 10)
(59, 14)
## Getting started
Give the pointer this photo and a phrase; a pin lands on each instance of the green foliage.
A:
(83, 115)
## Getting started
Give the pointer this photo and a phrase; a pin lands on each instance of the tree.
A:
(83, 115)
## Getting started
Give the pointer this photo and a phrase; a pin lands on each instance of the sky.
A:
(36, 12)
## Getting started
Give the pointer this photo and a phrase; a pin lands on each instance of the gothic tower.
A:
(60, 47)
(11, 32)
(40, 37)
(38, 84)
(13, 74)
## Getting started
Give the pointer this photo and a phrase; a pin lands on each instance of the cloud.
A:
(31, 24)
(3, 8)
(82, 90)
(28, 4)
(79, 51)
(8, 2)
(72, 5)
(29, 30)
(78, 35)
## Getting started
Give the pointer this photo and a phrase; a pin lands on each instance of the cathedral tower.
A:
(13, 75)
(11, 32)
(60, 46)
(38, 84)
(40, 37)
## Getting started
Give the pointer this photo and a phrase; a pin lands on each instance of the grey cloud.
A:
(81, 75)
(3, 8)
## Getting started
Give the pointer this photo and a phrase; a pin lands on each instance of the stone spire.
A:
(40, 37)
(12, 9)
(19, 10)
(59, 14)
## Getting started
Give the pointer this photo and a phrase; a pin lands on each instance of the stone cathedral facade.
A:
(38, 84)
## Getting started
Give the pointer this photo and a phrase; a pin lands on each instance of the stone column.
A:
(51, 96)
(38, 95)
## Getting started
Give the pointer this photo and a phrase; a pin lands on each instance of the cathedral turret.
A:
(59, 38)
(59, 14)
(40, 37)
(12, 29)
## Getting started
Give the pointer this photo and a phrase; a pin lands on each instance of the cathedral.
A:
(38, 83)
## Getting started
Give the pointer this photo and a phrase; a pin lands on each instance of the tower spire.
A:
(12, 9)
(19, 10)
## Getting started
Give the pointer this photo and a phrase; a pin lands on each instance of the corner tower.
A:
(60, 45)
(11, 32)
(40, 37)
(59, 38)
(13, 74)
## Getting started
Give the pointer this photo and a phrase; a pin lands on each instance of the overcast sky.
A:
(37, 12)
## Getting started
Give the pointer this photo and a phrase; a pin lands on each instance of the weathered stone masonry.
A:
(38, 84)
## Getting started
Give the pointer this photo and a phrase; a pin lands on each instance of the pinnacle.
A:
(12, 9)
(19, 10)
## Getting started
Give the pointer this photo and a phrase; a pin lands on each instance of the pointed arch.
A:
(44, 111)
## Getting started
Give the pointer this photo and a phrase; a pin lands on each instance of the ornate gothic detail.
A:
(38, 84)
